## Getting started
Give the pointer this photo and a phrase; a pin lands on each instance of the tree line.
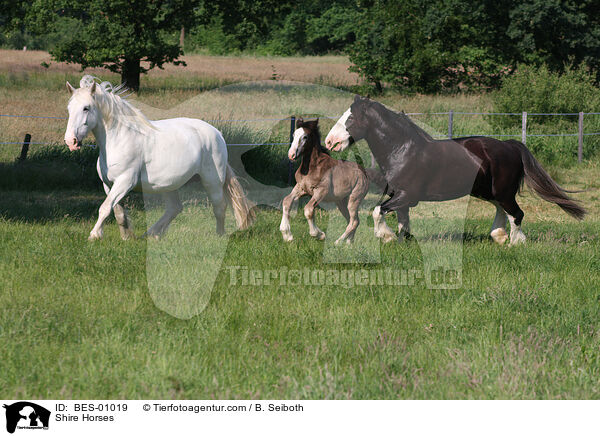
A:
(411, 45)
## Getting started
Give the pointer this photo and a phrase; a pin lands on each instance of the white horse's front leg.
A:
(122, 217)
(122, 185)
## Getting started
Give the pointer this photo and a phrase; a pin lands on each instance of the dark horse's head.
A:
(351, 127)
(306, 138)
(365, 114)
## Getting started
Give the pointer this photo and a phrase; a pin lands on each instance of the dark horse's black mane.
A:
(399, 120)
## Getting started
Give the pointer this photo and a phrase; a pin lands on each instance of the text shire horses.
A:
(418, 168)
(151, 156)
(324, 179)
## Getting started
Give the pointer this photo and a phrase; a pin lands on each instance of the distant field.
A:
(524, 323)
(27, 88)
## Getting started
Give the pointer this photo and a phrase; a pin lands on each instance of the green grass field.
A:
(78, 320)
(82, 320)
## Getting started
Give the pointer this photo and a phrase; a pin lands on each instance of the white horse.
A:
(151, 156)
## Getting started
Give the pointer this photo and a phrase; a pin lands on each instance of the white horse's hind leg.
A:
(173, 207)
(122, 185)
(214, 190)
(516, 234)
(498, 232)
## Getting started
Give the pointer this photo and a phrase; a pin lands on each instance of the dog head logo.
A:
(26, 415)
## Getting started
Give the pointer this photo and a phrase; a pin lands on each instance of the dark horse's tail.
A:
(539, 180)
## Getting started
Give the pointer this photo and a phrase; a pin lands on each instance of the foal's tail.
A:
(539, 180)
(243, 209)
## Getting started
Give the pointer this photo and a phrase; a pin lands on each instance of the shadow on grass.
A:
(52, 168)
(49, 206)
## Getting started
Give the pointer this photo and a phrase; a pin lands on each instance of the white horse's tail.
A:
(243, 209)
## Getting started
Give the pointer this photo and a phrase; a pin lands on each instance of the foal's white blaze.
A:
(297, 143)
(338, 138)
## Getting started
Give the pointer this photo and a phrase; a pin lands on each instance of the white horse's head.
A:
(83, 114)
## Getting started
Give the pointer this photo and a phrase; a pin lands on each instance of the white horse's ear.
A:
(70, 88)
(93, 88)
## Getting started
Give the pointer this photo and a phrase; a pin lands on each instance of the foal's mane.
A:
(112, 102)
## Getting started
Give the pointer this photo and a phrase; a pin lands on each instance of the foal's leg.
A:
(122, 185)
(309, 213)
(498, 232)
(125, 224)
(173, 207)
(353, 221)
(343, 207)
(288, 201)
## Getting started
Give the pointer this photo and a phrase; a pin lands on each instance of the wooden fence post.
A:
(450, 122)
(25, 147)
(580, 139)
(290, 164)
(524, 128)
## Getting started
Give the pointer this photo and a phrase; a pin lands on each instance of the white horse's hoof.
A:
(95, 236)
(288, 237)
(499, 236)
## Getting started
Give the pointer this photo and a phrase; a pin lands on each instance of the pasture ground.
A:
(78, 320)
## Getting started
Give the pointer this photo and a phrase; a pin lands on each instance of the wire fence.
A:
(450, 114)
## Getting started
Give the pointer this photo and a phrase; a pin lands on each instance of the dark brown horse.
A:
(418, 168)
(324, 179)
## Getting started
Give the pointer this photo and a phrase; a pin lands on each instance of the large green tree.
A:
(429, 45)
(128, 37)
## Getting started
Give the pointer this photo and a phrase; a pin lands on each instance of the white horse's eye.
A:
(86, 109)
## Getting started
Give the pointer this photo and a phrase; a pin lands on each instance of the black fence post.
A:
(580, 138)
(25, 147)
(290, 164)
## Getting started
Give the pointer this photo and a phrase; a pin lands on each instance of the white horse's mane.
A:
(113, 103)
